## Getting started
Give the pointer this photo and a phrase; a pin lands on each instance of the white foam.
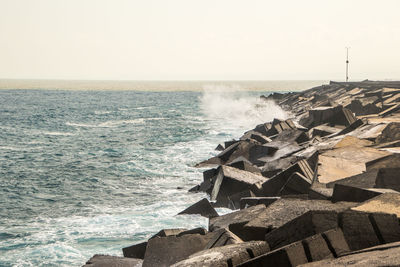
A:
(235, 109)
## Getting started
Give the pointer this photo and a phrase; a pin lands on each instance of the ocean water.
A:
(90, 172)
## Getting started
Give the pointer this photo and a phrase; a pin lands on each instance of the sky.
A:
(199, 40)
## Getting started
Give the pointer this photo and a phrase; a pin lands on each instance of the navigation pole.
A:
(347, 64)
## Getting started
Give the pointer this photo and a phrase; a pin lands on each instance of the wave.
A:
(237, 109)
(106, 124)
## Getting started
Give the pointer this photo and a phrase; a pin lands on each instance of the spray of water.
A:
(236, 109)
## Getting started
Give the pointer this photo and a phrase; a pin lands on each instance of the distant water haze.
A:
(156, 86)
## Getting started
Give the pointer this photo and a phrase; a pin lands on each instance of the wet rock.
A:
(355, 194)
(226, 256)
(112, 261)
(202, 207)
(220, 148)
(230, 181)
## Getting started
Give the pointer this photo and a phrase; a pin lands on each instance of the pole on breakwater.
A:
(347, 64)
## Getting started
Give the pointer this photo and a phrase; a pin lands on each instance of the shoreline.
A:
(320, 185)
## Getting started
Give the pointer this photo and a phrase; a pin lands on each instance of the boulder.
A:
(202, 207)
(230, 181)
(112, 261)
(165, 251)
(253, 201)
(355, 194)
(226, 256)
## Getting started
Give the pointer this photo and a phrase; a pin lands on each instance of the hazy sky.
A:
(202, 39)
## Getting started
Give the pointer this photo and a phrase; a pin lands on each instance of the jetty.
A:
(320, 188)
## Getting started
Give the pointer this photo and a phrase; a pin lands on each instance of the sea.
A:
(91, 167)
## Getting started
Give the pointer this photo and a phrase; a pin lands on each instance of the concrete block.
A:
(202, 207)
(355, 194)
(112, 261)
(388, 178)
(253, 201)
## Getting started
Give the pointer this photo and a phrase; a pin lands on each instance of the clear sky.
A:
(199, 40)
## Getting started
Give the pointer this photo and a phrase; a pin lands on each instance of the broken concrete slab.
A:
(273, 187)
(241, 216)
(230, 255)
(284, 210)
(388, 178)
(230, 181)
(112, 261)
(362, 180)
(135, 251)
(386, 203)
(354, 194)
(165, 251)
(202, 207)
(327, 245)
(253, 201)
(223, 237)
(382, 255)
(346, 161)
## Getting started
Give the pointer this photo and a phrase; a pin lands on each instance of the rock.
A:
(202, 207)
(391, 161)
(332, 115)
(327, 245)
(238, 217)
(306, 225)
(387, 203)
(362, 180)
(230, 181)
(281, 149)
(242, 163)
(230, 255)
(346, 161)
(390, 110)
(260, 138)
(382, 255)
(355, 194)
(390, 133)
(279, 126)
(223, 237)
(283, 211)
(355, 125)
(112, 261)
(253, 201)
(263, 128)
(296, 184)
(320, 193)
(388, 178)
(234, 200)
(198, 230)
(165, 251)
(229, 143)
(352, 141)
(220, 148)
(274, 186)
(271, 168)
(136, 251)
(363, 230)
(169, 232)
(324, 130)
(292, 135)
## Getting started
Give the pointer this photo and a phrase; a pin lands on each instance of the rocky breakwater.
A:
(321, 188)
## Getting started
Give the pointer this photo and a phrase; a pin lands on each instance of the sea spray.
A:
(237, 109)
